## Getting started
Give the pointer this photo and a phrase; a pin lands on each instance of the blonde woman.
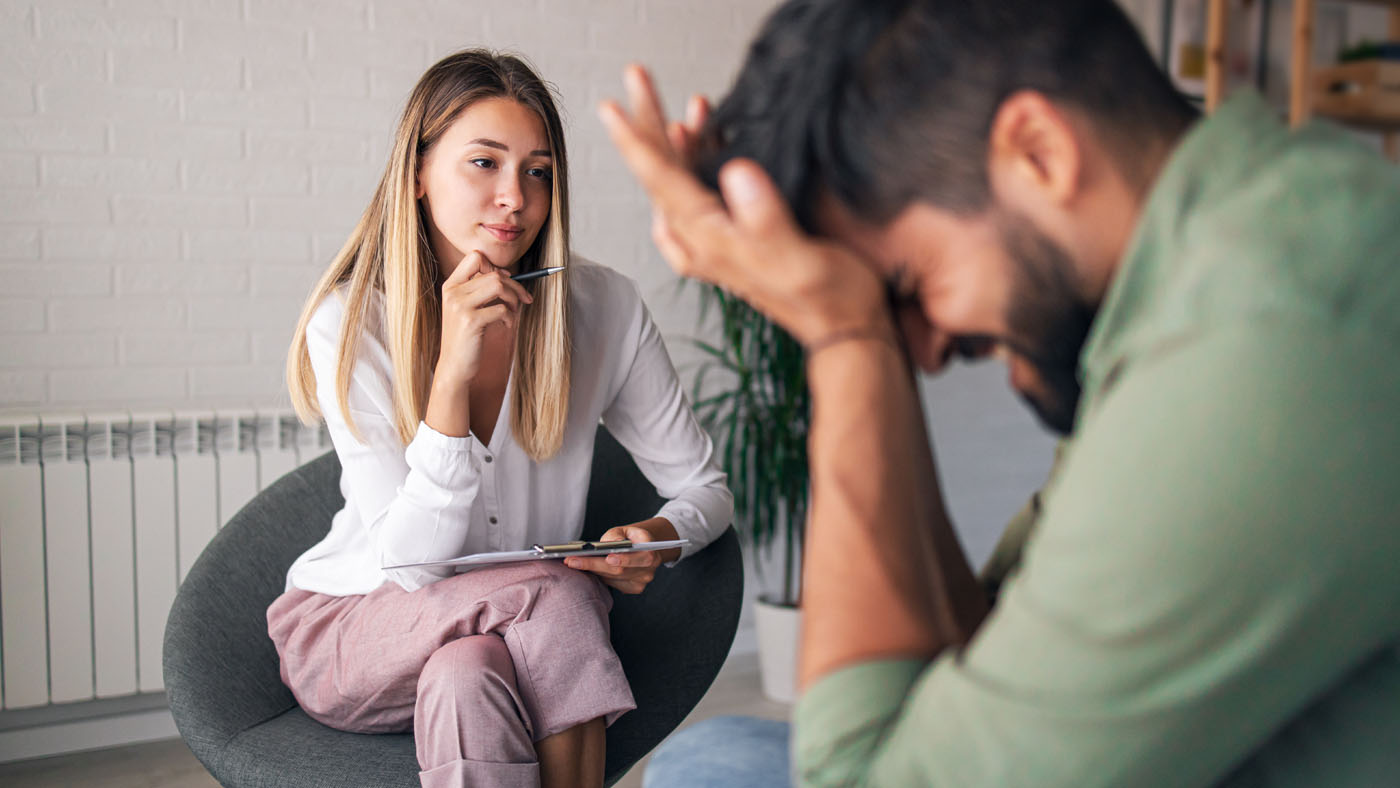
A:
(463, 407)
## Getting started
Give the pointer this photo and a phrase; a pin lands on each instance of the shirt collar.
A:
(1214, 156)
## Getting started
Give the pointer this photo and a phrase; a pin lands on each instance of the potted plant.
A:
(760, 414)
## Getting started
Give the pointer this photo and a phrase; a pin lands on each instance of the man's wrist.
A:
(874, 332)
(833, 346)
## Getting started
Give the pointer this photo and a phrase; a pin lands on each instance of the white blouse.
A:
(443, 497)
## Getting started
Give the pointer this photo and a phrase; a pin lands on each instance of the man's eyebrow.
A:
(490, 143)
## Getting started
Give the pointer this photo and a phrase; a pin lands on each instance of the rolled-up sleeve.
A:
(416, 502)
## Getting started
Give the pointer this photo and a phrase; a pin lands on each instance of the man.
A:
(1208, 308)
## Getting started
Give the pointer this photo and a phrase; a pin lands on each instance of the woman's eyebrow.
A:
(490, 143)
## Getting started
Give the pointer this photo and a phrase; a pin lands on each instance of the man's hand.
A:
(631, 572)
(748, 243)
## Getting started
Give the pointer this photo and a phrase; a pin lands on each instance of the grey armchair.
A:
(221, 671)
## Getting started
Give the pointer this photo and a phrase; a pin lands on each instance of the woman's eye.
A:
(484, 164)
(542, 173)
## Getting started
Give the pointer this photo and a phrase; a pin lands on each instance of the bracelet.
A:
(850, 335)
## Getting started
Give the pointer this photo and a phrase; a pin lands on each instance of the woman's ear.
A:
(418, 188)
(1033, 150)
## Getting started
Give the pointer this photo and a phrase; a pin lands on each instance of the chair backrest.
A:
(672, 638)
(221, 670)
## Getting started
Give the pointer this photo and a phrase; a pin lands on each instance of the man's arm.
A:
(885, 576)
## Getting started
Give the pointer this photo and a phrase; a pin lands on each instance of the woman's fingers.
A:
(474, 263)
(644, 559)
(629, 573)
(496, 313)
(522, 292)
(636, 568)
(486, 288)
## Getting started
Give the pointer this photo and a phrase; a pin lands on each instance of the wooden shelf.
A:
(1364, 93)
(1362, 120)
(1373, 105)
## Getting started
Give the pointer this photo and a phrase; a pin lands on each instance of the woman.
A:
(463, 407)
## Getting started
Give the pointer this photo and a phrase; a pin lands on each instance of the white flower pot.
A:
(778, 627)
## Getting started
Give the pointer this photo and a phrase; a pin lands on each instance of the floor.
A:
(169, 764)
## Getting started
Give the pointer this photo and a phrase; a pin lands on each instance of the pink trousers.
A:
(479, 666)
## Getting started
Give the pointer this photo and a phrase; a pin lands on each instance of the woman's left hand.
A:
(631, 572)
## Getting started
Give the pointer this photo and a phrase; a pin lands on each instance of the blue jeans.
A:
(723, 752)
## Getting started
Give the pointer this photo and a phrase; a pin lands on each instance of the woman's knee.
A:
(469, 707)
(469, 665)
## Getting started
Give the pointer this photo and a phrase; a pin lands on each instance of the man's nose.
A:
(941, 347)
(929, 347)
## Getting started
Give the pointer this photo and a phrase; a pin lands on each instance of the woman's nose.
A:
(509, 193)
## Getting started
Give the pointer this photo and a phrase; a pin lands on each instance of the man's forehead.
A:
(837, 222)
(918, 231)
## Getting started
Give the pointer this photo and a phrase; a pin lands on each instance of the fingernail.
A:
(614, 560)
(739, 184)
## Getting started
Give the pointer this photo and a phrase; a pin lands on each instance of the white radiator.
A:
(101, 516)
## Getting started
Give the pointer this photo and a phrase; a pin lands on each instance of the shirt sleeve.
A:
(1216, 555)
(415, 501)
(651, 417)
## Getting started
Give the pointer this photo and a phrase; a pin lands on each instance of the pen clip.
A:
(574, 547)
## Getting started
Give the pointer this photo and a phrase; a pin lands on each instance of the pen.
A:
(528, 275)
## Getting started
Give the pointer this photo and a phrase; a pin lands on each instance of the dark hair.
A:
(884, 102)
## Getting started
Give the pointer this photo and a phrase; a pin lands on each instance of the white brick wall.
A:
(174, 174)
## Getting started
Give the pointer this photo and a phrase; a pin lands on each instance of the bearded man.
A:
(1208, 309)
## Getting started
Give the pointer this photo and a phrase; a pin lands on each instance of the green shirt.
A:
(1211, 592)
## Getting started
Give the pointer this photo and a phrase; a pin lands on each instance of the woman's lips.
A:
(504, 232)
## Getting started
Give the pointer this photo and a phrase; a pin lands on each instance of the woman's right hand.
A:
(477, 296)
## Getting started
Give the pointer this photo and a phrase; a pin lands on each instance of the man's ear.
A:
(1033, 151)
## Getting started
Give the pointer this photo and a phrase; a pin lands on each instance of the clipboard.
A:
(541, 552)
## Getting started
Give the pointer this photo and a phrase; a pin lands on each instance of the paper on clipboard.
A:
(542, 552)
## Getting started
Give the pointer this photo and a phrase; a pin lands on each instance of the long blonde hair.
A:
(388, 252)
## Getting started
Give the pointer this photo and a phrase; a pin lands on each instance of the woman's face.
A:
(486, 184)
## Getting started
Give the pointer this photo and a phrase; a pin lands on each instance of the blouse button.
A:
(488, 458)
(492, 520)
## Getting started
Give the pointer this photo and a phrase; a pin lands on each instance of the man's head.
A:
(989, 158)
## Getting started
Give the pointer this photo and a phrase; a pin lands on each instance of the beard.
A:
(1049, 319)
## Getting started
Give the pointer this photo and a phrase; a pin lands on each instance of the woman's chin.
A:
(502, 254)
